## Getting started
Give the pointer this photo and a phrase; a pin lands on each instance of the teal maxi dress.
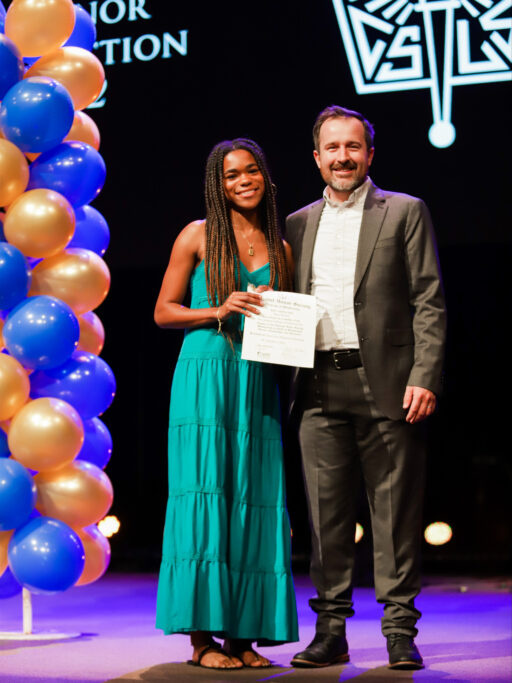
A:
(226, 547)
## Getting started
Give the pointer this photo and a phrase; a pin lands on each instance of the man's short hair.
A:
(334, 112)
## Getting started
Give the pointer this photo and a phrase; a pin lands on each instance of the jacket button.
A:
(363, 339)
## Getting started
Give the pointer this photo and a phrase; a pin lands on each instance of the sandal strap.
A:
(214, 647)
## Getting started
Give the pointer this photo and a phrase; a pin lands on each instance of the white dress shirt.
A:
(333, 270)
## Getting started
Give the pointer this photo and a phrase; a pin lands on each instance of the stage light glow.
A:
(438, 533)
(109, 525)
(359, 532)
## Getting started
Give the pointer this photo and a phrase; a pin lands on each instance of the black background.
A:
(264, 70)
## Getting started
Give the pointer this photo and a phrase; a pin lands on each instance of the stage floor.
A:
(465, 635)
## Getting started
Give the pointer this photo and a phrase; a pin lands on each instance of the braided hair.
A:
(221, 257)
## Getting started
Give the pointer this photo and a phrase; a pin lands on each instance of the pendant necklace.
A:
(251, 246)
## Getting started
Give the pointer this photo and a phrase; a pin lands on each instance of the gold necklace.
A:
(251, 246)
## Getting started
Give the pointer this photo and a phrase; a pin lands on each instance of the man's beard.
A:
(345, 185)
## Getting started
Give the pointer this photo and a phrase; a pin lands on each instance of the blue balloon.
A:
(75, 169)
(91, 231)
(2, 17)
(17, 494)
(97, 446)
(84, 33)
(41, 332)
(4, 446)
(36, 114)
(46, 555)
(11, 65)
(15, 276)
(85, 381)
(9, 587)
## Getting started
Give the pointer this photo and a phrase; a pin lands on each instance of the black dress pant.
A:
(341, 434)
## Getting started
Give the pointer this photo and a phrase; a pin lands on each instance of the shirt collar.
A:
(357, 196)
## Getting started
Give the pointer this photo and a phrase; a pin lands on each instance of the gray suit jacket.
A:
(398, 296)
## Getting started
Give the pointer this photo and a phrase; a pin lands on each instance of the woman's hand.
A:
(239, 302)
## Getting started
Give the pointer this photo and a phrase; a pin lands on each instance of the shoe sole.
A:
(308, 664)
(406, 665)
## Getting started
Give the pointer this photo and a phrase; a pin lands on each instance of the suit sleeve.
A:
(426, 298)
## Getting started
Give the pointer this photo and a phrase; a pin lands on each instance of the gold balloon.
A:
(79, 71)
(45, 434)
(40, 223)
(38, 26)
(92, 333)
(5, 537)
(13, 172)
(77, 276)
(85, 130)
(79, 494)
(2, 342)
(97, 554)
(14, 386)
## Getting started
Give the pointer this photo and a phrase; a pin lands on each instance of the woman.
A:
(226, 552)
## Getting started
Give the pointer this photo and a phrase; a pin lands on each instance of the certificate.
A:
(284, 331)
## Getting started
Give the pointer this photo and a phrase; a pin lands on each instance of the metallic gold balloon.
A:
(45, 434)
(40, 223)
(38, 26)
(14, 172)
(14, 386)
(92, 333)
(2, 342)
(97, 554)
(85, 130)
(77, 276)
(79, 71)
(79, 494)
(5, 537)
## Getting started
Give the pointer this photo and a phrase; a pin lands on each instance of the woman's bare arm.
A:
(187, 252)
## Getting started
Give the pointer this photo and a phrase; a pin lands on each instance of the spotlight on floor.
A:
(359, 532)
(438, 533)
(109, 525)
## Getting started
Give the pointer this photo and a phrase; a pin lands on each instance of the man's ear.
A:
(316, 157)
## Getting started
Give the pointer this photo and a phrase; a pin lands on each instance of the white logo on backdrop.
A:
(395, 45)
(129, 48)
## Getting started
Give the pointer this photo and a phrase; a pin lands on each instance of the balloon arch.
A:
(53, 384)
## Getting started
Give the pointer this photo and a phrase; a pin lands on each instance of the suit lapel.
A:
(375, 209)
(308, 244)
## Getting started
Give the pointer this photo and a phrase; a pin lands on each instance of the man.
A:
(369, 258)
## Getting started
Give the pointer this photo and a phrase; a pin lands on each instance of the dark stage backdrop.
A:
(183, 75)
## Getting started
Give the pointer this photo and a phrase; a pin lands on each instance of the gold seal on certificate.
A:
(284, 331)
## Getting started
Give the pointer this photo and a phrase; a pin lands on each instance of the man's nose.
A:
(341, 153)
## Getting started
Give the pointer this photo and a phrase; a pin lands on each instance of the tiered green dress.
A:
(226, 547)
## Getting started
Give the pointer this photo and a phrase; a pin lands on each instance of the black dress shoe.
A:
(323, 650)
(403, 653)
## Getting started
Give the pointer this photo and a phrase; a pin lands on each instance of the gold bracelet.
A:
(219, 327)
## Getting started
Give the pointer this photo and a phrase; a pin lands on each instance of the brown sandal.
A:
(214, 647)
(239, 655)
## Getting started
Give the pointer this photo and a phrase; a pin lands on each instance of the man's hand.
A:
(420, 402)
